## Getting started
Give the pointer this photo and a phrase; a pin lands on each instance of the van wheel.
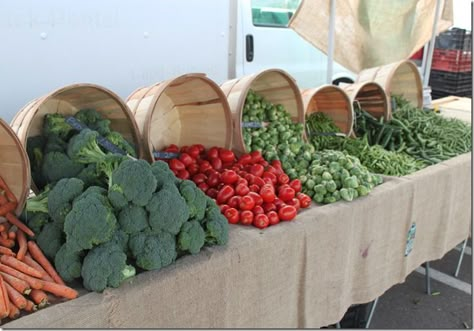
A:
(342, 80)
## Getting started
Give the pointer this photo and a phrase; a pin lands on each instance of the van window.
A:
(273, 13)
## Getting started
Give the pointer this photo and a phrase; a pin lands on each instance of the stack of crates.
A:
(451, 69)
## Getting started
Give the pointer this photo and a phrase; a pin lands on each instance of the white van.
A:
(125, 44)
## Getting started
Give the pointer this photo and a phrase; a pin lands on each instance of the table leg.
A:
(371, 314)
(456, 273)
(427, 278)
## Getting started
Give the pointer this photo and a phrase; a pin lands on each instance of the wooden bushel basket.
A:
(399, 78)
(69, 100)
(14, 165)
(189, 109)
(332, 101)
(275, 85)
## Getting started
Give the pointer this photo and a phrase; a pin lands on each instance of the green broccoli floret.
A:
(96, 192)
(50, 239)
(118, 140)
(133, 219)
(120, 238)
(55, 124)
(168, 210)
(83, 148)
(109, 164)
(54, 144)
(153, 251)
(105, 266)
(163, 174)
(90, 176)
(68, 263)
(215, 225)
(94, 121)
(134, 181)
(191, 237)
(35, 220)
(58, 165)
(34, 149)
(61, 197)
(195, 199)
(89, 223)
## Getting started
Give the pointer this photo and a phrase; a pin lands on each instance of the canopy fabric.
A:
(371, 33)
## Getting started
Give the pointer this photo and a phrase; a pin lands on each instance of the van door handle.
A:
(249, 47)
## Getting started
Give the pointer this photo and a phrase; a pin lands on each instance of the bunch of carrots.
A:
(26, 275)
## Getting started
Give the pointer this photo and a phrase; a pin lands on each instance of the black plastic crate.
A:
(454, 38)
(451, 82)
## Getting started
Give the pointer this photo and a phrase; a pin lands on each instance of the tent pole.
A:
(332, 23)
(429, 57)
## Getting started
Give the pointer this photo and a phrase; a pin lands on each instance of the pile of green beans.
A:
(321, 131)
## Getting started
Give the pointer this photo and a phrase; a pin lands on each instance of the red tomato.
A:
(296, 185)
(268, 181)
(193, 151)
(209, 172)
(183, 174)
(213, 180)
(232, 215)
(242, 181)
(203, 186)
(276, 164)
(261, 221)
(242, 189)
(246, 217)
(193, 169)
(287, 213)
(220, 185)
(172, 149)
(228, 165)
(246, 203)
(283, 179)
(254, 188)
(184, 149)
(305, 200)
(226, 155)
(224, 194)
(272, 170)
(186, 159)
(245, 159)
(234, 201)
(295, 203)
(176, 164)
(200, 147)
(273, 217)
(256, 156)
(213, 153)
(204, 166)
(278, 203)
(264, 163)
(269, 206)
(216, 163)
(286, 194)
(257, 170)
(257, 210)
(249, 178)
(212, 193)
(199, 178)
(256, 198)
(271, 176)
(267, 193)
(223, 208)
(229, 177)
(258, 181)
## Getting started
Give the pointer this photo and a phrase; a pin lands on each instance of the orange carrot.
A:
(39, 297)
(20, 266)
(30, 306)
(32, 263)
(16, 297)
(59, 290)
(4, 235)
(5, 242)
(18, 284)
(9, 194)
(19, 224)
(39, 257)
(7, 208)
(3, 200)
(4, 308)
(2, 227)
(14, 311)
(22, 245)
(33, 282)
(6, 251)
(12, 235)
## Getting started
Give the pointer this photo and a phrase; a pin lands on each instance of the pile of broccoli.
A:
(62, 152)
(136, 217)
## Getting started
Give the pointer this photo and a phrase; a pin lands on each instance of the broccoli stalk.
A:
(38, 203)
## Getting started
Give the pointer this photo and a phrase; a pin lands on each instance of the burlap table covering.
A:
(304, 273)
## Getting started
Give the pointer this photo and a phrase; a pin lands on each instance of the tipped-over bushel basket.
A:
(14, 165)
(275, 85)
(68, 100)
(189, 109)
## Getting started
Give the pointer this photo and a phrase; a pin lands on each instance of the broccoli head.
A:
(168, 210)
(54, 144)
(50, 239)
(61, 196)
(34, 149)
(83, 148)
(35, 220)
(153, 251)
(163, 174)
(68, 263)
(94, 121)
(134, 180)
(215, 225)
(191, 237)
(105, 266)
(90, 176)
(89, 223)
(58, 165)
(195, 199)
(118, 140)
(55, 124)
(133, 219)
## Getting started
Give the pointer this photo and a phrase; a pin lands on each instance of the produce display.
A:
(117, 215)
(248, 189)
(27, 278)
